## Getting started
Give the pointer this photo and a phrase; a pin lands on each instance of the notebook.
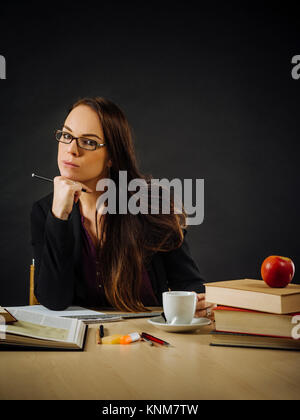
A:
(88, 316)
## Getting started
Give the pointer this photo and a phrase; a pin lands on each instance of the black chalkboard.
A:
(209, 93)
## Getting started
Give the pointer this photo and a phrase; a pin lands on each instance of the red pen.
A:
(155, 339)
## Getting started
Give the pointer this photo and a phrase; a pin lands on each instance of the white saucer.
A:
(197, 323)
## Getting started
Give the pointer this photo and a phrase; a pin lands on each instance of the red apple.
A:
(277, 271)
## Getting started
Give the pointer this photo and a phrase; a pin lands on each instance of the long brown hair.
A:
(130, 240)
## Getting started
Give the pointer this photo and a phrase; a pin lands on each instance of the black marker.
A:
(101, 331)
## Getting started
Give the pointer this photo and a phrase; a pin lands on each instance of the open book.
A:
(40, 331)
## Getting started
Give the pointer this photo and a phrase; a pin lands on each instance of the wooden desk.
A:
(191, 369)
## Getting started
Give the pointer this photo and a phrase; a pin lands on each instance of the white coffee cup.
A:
(179, 307)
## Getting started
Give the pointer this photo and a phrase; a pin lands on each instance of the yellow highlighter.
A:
(112, 339)
(121, 339)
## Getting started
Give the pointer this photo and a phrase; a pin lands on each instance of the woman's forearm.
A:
(53, 253)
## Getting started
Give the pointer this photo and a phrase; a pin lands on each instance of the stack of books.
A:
(249, 313)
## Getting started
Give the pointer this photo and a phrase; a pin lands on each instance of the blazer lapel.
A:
(77, 233)
(76, 221)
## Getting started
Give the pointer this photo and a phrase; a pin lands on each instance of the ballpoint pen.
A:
(99, 334)
(48, 179)
(101, 330)
(154, 339)
(148, 341)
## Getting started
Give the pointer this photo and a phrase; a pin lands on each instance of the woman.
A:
(89, 258)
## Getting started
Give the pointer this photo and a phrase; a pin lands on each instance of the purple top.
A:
(93, 281)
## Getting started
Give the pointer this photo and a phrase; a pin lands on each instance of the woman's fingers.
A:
(78, 186)
(65, 192)
(77, 195)
(203, 308)
(200, 296)
(62, 182)
(206, 313)
(202, 304)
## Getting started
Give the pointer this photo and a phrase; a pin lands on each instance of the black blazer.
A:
(58, 271)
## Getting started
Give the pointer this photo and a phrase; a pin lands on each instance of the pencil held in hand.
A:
(49, 179)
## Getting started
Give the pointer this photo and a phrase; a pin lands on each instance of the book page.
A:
(88, 316)
(41, 326)
(74, 311)
(37, 331)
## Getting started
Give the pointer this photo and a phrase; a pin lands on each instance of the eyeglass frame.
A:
(77, 138)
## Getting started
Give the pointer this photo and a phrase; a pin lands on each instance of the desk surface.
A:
(190, 369)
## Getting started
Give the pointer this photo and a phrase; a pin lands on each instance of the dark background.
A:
(209, 94)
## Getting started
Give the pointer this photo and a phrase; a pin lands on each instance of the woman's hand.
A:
(65, 193)
(203, 308)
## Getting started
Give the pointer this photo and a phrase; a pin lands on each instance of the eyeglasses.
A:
(82, 142)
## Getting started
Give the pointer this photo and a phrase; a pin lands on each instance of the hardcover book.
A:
(238, 320)
(253, 341)
(255, 295)
(37, 331)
